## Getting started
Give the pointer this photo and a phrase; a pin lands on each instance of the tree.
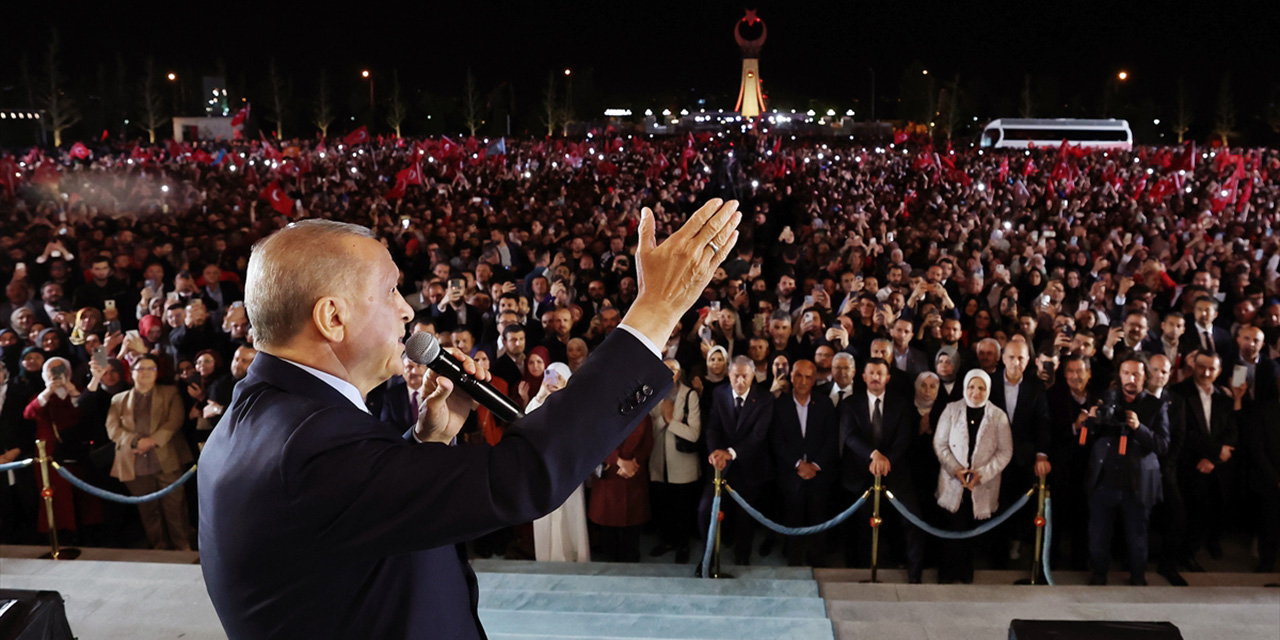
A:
(1183, 116)
(1224, 124)
(471, 103)
(279, 98)
(916, 96)
(1027, 106)
(397, 109)
(949, 108)
(151, 105)
(122, 93)
(323, 116)
(550, 111)
(58, 106)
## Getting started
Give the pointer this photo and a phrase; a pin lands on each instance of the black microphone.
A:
(423, 348)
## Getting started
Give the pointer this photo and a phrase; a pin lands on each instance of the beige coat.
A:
(166, 421)
(991, 454)
(682, 468)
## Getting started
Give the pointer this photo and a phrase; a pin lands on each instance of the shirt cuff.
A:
(414, 433)
(733, 455)
(642, 338)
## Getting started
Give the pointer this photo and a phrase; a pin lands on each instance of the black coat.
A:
(1205, 441)
(817, 445)
(1143, 448)
(318, 520)
(748, 435)
(899, 423)
(1030, 427)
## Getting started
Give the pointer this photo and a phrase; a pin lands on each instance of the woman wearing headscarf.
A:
(53, 345)
(674, 466)
(714, 373)
(11, 345)
(946, 363)
(57, 418)
(577, 352)
(560, 536)
(929, 405)
(973, 445)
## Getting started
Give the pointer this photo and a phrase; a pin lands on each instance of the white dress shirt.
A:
(1206, 403)
(836, 391)
(1011, 397)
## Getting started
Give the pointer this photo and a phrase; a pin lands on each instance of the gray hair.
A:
(743, 361)
(845, 355)
(989, 341)
(290, 270)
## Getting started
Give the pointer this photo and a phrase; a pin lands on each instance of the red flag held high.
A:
(359, 136)
(402, 185)
(80, 152)
(280, 201)
(240, 117)
(900, 137)
(1004, 168)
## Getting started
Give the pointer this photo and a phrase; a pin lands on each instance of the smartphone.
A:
(458, 283)
(21, 266)
(818, 288)
(1050, 234)
(100, 356)
(888, 237)
(742, 286)
(1239, 375)
(715, 305)
(404, 221)
(1074, 240)
(1047, 367)
(808, 301)
(110, 304)
(58, 371)
(758, 322)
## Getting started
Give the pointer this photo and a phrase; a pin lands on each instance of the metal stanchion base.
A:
(65, 553)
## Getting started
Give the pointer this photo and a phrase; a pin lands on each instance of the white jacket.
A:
(990, 456)
(686, 422)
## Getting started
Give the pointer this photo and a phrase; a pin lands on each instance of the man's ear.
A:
(329, 316)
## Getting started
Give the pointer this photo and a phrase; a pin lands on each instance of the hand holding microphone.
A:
(443, 411)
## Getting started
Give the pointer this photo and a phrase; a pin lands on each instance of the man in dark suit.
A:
(876, 427)
(1204, 334)
(1262, 440)
(1207, 469)
(1023, 399)
(1261, 372)
(404, 397)
(318, 521)
(737, 433)
(907, 359)
(1070, 404)
(803, 436)
(454, 312)
(1169, 518)
(1123, 478)
(218, 294)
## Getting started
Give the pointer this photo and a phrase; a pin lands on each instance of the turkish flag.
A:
(1225, 195)
(270, 152)
(359, 136)
(240, 117)
(412, 175)
(105, 135)
(900, 137)
(80, 152)
(1246, 192)
(402, 185)
(1029, 168)
(201, 155)
(1004, 168)
(280, 201)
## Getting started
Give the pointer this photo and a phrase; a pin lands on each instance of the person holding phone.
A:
(57, 415)
(974, 445)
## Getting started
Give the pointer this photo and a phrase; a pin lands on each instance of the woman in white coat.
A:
(560, 536)
(674, 467)
(973, 444)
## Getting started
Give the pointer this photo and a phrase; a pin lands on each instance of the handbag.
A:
(683, 445)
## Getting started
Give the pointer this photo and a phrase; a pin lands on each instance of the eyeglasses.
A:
(141, 369)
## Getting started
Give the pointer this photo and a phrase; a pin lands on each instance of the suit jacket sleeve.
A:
(716, 439)
(171, 415)
(858, 449)
(369, 493)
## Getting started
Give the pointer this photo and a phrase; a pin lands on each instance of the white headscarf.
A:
(976, 373)
(554, 370)
(725, 352)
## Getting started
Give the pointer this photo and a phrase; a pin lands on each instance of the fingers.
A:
(700, 217)
(647, 230)
(726, 216)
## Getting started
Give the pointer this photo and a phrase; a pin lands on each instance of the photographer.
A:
(1124, 436)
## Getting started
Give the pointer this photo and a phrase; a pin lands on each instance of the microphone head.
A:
(422, 348)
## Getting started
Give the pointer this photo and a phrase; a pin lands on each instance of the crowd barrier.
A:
(43, 461)
(1044, 531)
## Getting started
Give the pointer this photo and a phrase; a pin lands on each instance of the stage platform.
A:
(132, 594)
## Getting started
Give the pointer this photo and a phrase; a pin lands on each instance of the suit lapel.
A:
(1196, 407)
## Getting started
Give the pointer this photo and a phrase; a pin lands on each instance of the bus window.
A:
(990, 137)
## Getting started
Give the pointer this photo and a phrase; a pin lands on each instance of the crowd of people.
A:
(956, 323)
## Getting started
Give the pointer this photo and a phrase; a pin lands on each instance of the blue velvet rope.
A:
(16, 465)
(959, 535)
(1048, 537)
(115, 497)
(797, 531)
(711, 537)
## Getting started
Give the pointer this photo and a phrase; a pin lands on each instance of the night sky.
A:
(671, 53)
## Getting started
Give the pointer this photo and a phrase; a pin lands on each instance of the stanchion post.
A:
(46, 492)
(1035, 561)
(715, 522)
(875, 530)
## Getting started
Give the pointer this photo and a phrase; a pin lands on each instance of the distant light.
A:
(322, 155)
(431, 159)
(353, 170)
(568, 71)
(618, 113)
(811, 113)
(164, 188)
(684, 112)
(831, 112)
(1156, 121)
(648, 112)
(1123, 75)
(982, 187)
(666, 112)
(708, 169)
(1188, 189)
(755, 184)
(1150, 171)
(602, 156)
(925, 72)
(1007, 225)
(849, 113)
(172, 76)
(364, 74)
(233, 167)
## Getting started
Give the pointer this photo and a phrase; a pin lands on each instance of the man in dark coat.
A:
(803, 437)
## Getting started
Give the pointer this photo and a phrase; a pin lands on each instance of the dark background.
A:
(668, 55)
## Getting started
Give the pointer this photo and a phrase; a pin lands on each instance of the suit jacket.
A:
(1030, 424)
(1262, 444)
(1206, 440)
(898, 423)
(818, 444)
(667, 463)
(1222, 343)
(166, 420)
(395, 409)
(748, 435)
(917, 361)
(1144, 446)
(318, 520)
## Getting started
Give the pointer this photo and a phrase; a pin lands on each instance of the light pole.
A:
(367, 76)
(173, 84)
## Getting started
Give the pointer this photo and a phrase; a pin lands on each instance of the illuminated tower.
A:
(750, 96)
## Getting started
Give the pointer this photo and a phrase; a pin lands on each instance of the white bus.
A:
(1018, 133)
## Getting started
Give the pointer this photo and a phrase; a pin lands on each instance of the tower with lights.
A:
(750, 95)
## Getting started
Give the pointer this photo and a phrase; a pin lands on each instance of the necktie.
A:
(841, 398)
(1206, 341)
(413, 405)
(877, 424)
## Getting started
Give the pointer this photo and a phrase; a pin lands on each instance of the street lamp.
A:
(568, 72)
(1123, 75)
(366, 75)
(172, 76)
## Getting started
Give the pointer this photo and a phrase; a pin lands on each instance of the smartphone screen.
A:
(100, 356)
(1239, 375)
(110, 304)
